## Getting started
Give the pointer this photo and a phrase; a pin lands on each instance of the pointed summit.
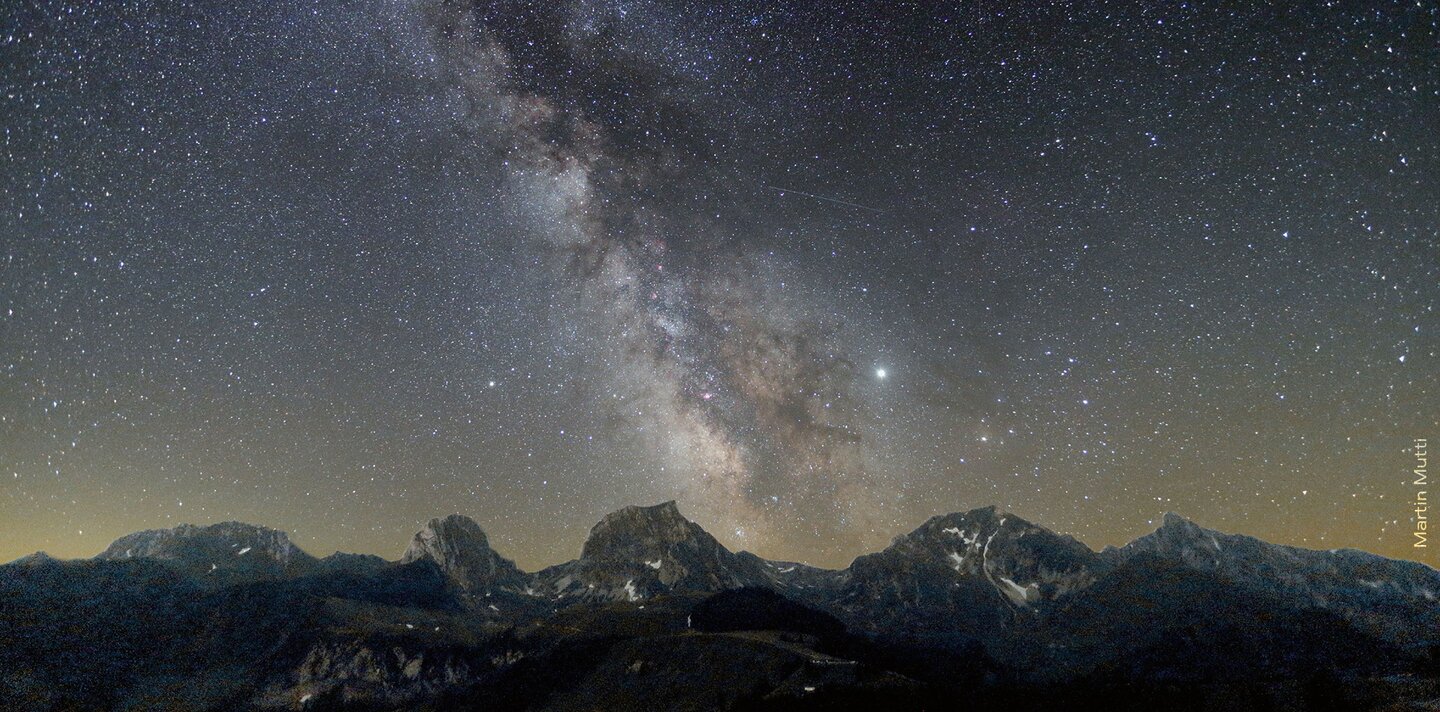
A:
(460, 548)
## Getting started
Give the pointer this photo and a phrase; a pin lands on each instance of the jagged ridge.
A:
(982, 585)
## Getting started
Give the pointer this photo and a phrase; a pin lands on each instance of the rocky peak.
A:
(1022, 562)
(1174, 527)
(971, 525)
(638, 552)
(982, 529)
(36, 559)
(227, 551)
(1178, 537)
(634, 533)
(460, 548)
(1344, 579)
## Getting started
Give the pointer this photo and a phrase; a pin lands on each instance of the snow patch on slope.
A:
(1020, 595)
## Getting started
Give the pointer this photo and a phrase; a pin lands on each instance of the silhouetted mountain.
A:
(1156, 618)
(1389, 598)
(225, 553)
(460, 548)
(979, 608)
(979, 575)
(640, 552)
(352, 563)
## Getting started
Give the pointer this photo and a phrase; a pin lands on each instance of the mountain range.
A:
(976, 608)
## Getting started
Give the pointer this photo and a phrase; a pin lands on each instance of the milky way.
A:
(741, 391)
(817, 271)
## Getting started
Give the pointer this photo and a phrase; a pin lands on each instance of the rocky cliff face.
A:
(460, 548)
(395, 673)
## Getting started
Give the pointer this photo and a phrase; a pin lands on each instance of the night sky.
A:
(817, 271)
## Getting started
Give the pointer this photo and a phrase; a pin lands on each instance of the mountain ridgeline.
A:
(979, 607)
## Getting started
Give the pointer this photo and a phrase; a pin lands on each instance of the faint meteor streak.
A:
(821, 197)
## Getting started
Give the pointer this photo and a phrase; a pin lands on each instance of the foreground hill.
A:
(979, 607)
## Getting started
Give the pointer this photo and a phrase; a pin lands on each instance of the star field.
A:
(818, 271)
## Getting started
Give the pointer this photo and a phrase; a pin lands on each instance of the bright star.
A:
(880, 373)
